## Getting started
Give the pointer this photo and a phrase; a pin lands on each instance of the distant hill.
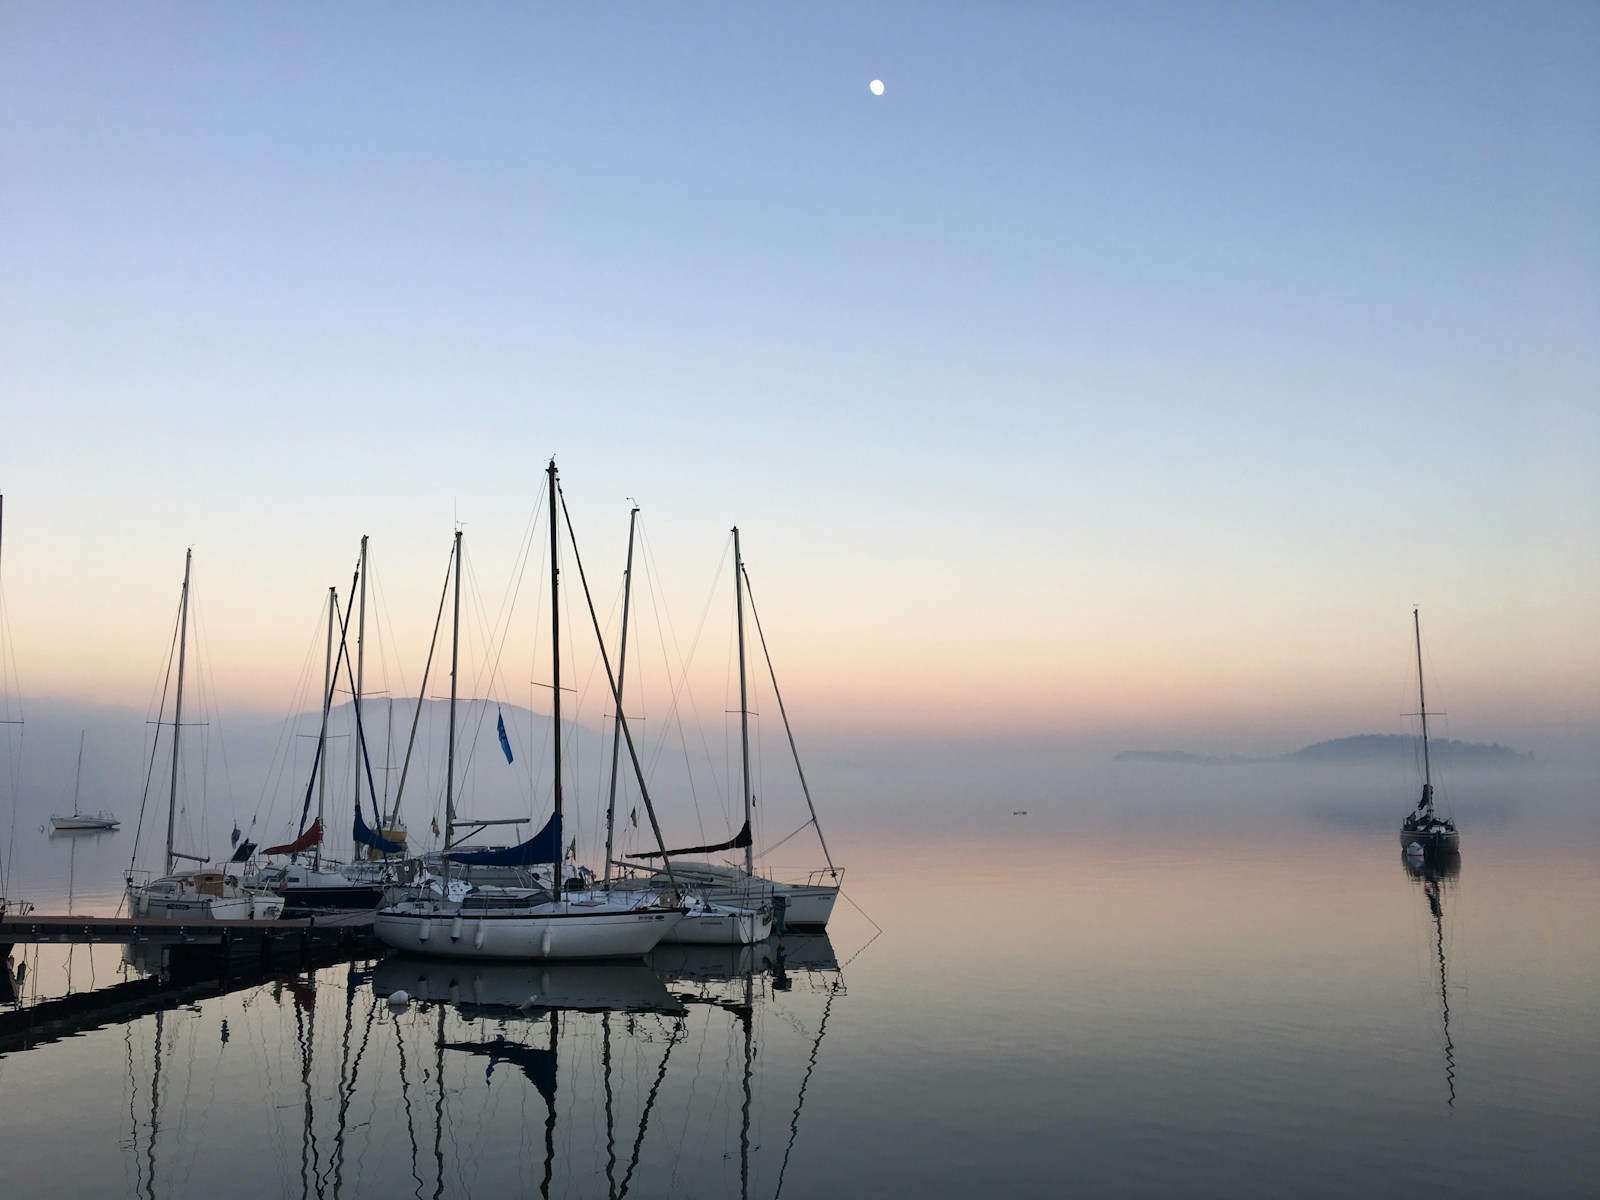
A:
(1363, 748)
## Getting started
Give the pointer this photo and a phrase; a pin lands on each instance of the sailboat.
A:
(315, 882)
(192, 895)
(705, 922)
(459, 918)
(808, 904)
(79, 819)
(1424, 827)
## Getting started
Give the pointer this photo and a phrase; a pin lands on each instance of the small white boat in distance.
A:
(99, 820)
(83, 820)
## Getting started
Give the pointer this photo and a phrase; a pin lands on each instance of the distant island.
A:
(1363, 748)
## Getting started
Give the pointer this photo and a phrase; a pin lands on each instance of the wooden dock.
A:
(30, 1025)
(227, 939)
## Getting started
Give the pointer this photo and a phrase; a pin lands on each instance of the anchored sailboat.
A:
(462, 918)
(1424, 827)
(706, 922)
(321, 883)
(194, 894)
(79, 819)
(801, 904)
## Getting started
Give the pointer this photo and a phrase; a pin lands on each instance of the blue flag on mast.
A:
(505, 743)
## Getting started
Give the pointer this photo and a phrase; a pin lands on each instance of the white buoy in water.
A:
(399, 999)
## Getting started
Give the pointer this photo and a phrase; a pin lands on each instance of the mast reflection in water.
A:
(644, 1074)
(685, 1074)
(1437, 871)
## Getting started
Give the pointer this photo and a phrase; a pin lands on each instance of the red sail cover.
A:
(305, 841)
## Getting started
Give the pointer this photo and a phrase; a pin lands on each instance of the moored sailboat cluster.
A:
(528, 901)
(497, 904)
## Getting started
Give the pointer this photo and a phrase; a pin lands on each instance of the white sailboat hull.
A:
(176, 898)
(85, 821)
(722, 925)
(560, 929)
(808, 904)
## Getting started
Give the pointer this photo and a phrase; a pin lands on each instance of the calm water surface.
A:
(1195, 983)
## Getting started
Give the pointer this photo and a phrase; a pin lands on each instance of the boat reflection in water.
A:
(659, 1078)
(509, 991)
(1436, 871)
(685, 1074)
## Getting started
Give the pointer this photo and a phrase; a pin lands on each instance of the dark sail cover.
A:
(371, 837)
(739, 842)
(305, 841)
(542, 847)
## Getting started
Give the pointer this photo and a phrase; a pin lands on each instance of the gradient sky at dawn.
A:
(1122, 367)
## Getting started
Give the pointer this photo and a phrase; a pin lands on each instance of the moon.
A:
(876, 87)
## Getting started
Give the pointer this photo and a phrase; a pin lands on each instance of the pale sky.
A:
(1122, 366)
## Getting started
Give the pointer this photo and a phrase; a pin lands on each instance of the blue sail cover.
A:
(542, 847)
(371, 837)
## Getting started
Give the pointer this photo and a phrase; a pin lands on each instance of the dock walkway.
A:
(228, 938)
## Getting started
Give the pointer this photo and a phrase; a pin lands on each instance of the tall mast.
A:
(177, 706)
(322, 734)
(77, 780)
(361, 639)
(1422, 702)
(450, 760)
(744, 706)
(622, 662)
(555, 670)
